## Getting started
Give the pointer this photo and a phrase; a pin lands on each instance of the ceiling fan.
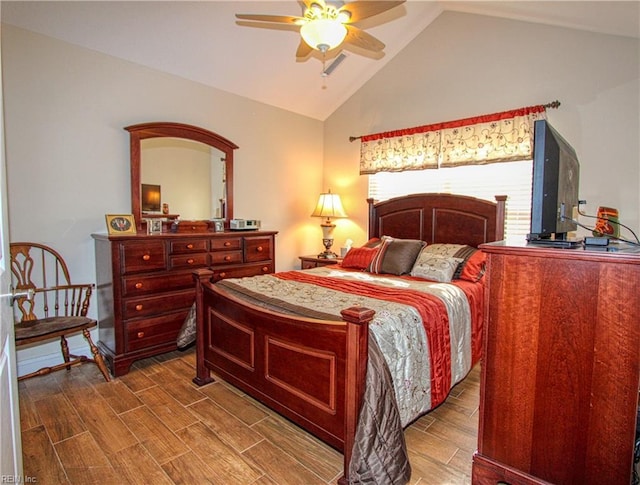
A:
(327, 25)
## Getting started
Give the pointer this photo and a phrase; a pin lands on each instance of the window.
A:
(483, 181)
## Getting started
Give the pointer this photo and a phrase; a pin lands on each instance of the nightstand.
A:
(307, 262)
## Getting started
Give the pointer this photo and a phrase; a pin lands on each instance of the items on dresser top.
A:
(244, 224)
(145, 285)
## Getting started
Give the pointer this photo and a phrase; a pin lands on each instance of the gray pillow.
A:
(396, 256)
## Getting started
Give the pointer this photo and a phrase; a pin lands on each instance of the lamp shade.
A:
(323, 34)
(329, 205)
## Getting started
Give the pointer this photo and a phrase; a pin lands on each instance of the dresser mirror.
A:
(187, 172)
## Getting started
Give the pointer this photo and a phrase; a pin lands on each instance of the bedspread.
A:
(423, 340)
(423, 329)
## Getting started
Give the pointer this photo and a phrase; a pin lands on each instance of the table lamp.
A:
(329, 205)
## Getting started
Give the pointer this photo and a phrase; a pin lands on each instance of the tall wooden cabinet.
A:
(145, 285)
(560, 369)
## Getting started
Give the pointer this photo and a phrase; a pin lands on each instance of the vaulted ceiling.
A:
(203, 41)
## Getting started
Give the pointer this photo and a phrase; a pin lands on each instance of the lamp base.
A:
(327, 242)
(327, 255)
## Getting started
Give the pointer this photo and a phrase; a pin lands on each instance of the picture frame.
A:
(120, 224)
(218, 225)
(154, 226)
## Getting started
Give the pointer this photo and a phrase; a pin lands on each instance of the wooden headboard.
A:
(439, 218)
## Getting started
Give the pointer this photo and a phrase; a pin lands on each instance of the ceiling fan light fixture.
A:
(323, 34)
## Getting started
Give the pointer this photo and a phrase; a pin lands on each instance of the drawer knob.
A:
(138, 307)
(138, 285)
(146, 257)
(190, 261)
(189, 246)
(265, 269)
(223, 275)
(140, 334)
(227, 243)
(227, 258)
(259, 249)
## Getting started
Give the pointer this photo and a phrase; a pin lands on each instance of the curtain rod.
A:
(553, 104)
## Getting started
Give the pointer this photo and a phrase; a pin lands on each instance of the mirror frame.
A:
(162, 129)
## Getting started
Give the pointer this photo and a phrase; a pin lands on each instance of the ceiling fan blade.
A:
(283, 19)
(303, 50)
(365, 9)
(362, 39)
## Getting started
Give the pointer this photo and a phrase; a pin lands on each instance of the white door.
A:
(10, 442)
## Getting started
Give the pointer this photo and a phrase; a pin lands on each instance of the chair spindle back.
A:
(42, 269)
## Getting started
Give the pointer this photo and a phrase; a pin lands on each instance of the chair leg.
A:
(65, 350)
(97, 356)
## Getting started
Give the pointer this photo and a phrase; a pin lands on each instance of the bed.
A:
(325, 367)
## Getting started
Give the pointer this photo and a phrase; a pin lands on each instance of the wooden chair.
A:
(54, 308)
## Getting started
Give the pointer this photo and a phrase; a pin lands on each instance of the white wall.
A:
(465, 65)
(68, 154)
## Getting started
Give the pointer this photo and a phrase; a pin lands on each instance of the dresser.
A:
(145, 286)
(560, 367)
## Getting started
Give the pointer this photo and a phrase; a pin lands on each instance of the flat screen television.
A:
(554, 195)
(150, 198)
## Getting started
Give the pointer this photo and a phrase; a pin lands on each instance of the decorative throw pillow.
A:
(468, 271)
(187, 334)
(435, 267)
(396, 256)
(359, 258)
(376, 263)
(474, 267)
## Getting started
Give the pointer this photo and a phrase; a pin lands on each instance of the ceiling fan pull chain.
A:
(324, 74)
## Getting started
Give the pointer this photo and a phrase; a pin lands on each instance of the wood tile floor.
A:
(153, 426)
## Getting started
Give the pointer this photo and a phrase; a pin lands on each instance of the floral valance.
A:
(499, 137)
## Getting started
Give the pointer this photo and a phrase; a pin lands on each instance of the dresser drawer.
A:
(226, 243)
(242, 271)
(145, 333)
(193, 226)
(154, 305)
(196, 260)
(257, 249)
(189, 246)
(141, 285)
(226, 257)
(146, 256)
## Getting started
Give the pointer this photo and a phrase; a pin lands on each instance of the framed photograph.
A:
(154, 226)
(120, 224)
(218, 225)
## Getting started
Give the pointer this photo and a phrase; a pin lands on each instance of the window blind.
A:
(482, 181)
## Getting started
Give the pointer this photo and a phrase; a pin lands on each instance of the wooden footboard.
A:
(311, 371)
